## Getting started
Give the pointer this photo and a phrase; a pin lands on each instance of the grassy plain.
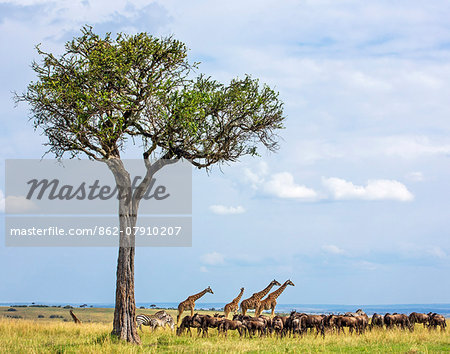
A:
(31, 334)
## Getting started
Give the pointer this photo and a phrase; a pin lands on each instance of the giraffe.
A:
(233, 305)
(270, 301)
(254, 300)
(189, 303)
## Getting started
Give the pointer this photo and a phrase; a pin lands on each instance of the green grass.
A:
(45, 335)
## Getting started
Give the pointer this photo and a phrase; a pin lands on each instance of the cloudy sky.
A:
(354, 206)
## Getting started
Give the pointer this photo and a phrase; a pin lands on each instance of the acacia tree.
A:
(103, 91)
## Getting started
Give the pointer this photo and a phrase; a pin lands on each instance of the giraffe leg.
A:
(192, 310)
(273, 310)
(179, 316)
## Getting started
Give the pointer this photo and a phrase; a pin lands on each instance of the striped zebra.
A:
(159, 319)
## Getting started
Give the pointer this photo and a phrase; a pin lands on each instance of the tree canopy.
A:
(104, 91)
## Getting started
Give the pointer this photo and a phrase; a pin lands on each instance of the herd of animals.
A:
(294, 324)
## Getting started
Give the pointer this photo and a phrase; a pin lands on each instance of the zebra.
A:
(159, 319)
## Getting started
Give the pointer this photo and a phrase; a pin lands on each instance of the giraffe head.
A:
(288, 282)
(274, 282)
(242, 289)
(209, 290)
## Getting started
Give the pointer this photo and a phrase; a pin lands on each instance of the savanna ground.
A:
(31, 334)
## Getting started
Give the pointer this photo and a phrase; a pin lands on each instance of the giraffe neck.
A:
(278, 292)
(199, 295)
(239, 296)
(264, 292)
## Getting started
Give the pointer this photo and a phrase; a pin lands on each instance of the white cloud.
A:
(415, 176)
(282, 185)
(379, 189)
(406, 147)
(203, 269)
(256, 177)
(333, 249)
(16, 204)
(226, 210)
(213, 258)
(366, 265)
(437, 252)
(409, 147)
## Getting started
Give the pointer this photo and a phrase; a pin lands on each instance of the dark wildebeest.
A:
(208, 321)
(233, 325)
(377, 321)
(313, 322)
(189, 322)
(292, 323)
(416, 317)
(255, 326)
(346, 321)
(436, 320)
(397, 319)
(252, 325)
(278, 325)
(330, 323)
(362, 323)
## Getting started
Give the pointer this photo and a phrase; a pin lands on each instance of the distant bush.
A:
(56, 316)
(39, 306)
(142, 307)
(11, 309)
(68, 307)
(19, 306)
(41, 316)
(13, 316)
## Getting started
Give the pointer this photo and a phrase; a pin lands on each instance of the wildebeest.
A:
(330, 322)
(436, 320)
(397, 319)
(189, 322)
(346, 321)
(208, 321)
(254, 325)
(227, 324)
(313, 322)
(377, 321)
(278, 325)
(416, 317)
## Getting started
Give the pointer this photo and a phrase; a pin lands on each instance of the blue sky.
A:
(354, 206)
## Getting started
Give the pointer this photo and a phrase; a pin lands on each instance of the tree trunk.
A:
(124, 326)
(125, 310)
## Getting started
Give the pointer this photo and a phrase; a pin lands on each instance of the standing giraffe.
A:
(189, 303)
(253, 301)
(233, 305)
(270, 301)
